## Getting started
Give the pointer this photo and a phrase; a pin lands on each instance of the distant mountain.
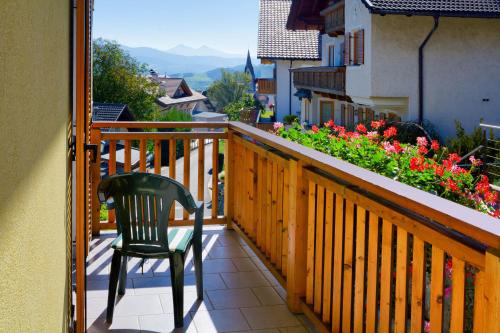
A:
(165, 62)
(204, 50)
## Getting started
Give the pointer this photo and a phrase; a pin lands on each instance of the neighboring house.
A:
(111, 112)
(178, 95)
(377, 45)
(286, 50)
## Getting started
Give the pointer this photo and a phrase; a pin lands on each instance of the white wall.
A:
(283, 77)
(326, 41)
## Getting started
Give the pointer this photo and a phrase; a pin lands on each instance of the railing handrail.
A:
(327, 69)
(467, 221)
(159, 124)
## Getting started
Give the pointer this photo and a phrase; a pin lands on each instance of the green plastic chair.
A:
(142, 204)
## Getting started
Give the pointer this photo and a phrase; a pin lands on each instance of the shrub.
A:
(424, 165)
(463, 142)
(233, 109)
(290, 119)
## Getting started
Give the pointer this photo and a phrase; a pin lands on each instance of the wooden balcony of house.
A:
(334, 16)
(266, 86)
(294, 238)
(330, 80)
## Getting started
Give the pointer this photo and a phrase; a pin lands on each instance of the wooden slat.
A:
(172, 162)
(385, 277)
(187, 169)
(201, 170)
(279, 218)
(436, 298)
(158, 157)
(348, 266)
(318, 258)
(215, 178)
(112, 171)
(269, 176)
(337, 263)
(327, 271)
(457, 296)
(274, 208)
(311, 233)
(400, 292)
(479, 324)
(359, 283)
(286, 211)
(491, 280)
(128, 156)
(417, 285)
(142, 159)
(261, 192)
(229, 199)
(372, 273)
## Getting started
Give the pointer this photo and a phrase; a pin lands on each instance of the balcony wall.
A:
(266, 86)
(321, 79)
(355, 251)
(334, 16)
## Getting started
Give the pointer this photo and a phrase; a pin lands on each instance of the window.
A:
(326, 109)
(354, 48)
(331, 55)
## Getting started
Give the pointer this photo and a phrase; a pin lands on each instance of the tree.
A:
(234, 109)
(230, 88)
(120, 78)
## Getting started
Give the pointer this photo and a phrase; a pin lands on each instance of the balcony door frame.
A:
(82, 101)
(321, 107)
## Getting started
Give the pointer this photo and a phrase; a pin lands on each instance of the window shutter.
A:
(359, 47)
(347, 49)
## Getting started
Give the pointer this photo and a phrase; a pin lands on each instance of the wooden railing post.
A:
(228, 179)
(95, 177)
(492, 290)
(297, 229)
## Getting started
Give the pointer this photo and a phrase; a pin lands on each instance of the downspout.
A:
(421, 71)
(290, 88)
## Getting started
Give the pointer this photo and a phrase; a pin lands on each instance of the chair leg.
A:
(198, 268)
(113, 282)
(177, 277)
(122, 282)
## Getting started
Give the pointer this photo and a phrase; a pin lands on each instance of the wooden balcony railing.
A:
(334, 18)
(266, 86)
(354, 250)
(321, 79)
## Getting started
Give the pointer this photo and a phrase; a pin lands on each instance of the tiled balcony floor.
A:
(241, 295)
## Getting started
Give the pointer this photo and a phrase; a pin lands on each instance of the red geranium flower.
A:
(390, 132)
(422, 141)
(378, 124)
(329, 123)
(422, 150)
(453, 157)
(452, 185)
(361, 128)
(435, 145)
(315, 129)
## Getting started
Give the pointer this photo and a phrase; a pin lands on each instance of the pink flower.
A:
(474, 161)
(372, 135)
(422, 141)
(447, 292)
(361, 128)
(389, 148)
(427, 326)
(278, 126)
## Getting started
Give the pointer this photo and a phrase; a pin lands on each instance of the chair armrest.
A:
(198, 220)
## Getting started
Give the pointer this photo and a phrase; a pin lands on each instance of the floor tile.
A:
(152, 285)
(297, 329)
(220, 321)
(232, 298)
(268, 296)
(218, 266)
(221, 252)
(244, 264)
(98, 288)
(260, 265)
(164, 323)
(274, 316)
(120, 324)
(96, 307)
(249, 251)
(270, 277)
(138, 305)
(244, 279)
(270, 330)
(191, 302)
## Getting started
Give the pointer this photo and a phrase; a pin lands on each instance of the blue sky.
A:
(226, 25)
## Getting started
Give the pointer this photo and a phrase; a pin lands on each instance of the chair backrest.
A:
(142, 204)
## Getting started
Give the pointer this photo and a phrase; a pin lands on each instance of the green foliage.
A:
(120, 78)
(464, 143)
(230, 88)
(172, 114)
(245, 102)
(103, 213)
(290, 119)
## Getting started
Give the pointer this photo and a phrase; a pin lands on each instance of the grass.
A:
(103, 213)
